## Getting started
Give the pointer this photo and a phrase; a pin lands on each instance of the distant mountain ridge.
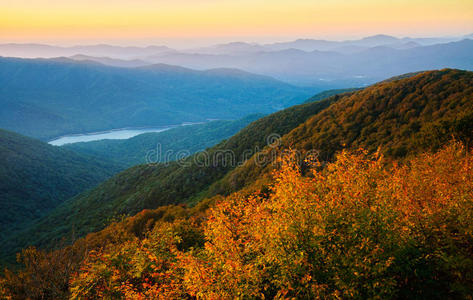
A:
(48, 51)
(237, 47)
(115, 62)
(329, 69)
(326, 64)
(323, 64)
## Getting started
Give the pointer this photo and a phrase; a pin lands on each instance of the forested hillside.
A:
(401, 117)
(36, 177)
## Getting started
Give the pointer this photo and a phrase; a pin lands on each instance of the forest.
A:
(360, 227)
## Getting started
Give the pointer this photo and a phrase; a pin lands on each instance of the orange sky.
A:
(146, 21)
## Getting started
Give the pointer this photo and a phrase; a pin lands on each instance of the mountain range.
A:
(328, 69)
(48, 51)
(322, 64)
(133, 52)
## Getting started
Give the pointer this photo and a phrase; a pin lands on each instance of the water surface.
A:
(115, 134)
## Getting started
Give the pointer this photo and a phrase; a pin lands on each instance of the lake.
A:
(115, 134)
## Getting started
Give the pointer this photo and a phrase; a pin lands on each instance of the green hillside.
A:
(164, 146)
(36, 177)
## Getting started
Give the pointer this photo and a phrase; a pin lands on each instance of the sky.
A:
(184, 22)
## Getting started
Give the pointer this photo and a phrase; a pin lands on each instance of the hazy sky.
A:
(178, 22)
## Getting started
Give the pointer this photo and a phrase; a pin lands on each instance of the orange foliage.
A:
(136, 269)
(356, 229)
(359, 227)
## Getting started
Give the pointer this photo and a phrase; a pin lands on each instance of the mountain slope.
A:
(36, 177)
(164, 146)
(48, 98)
(403, 116)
